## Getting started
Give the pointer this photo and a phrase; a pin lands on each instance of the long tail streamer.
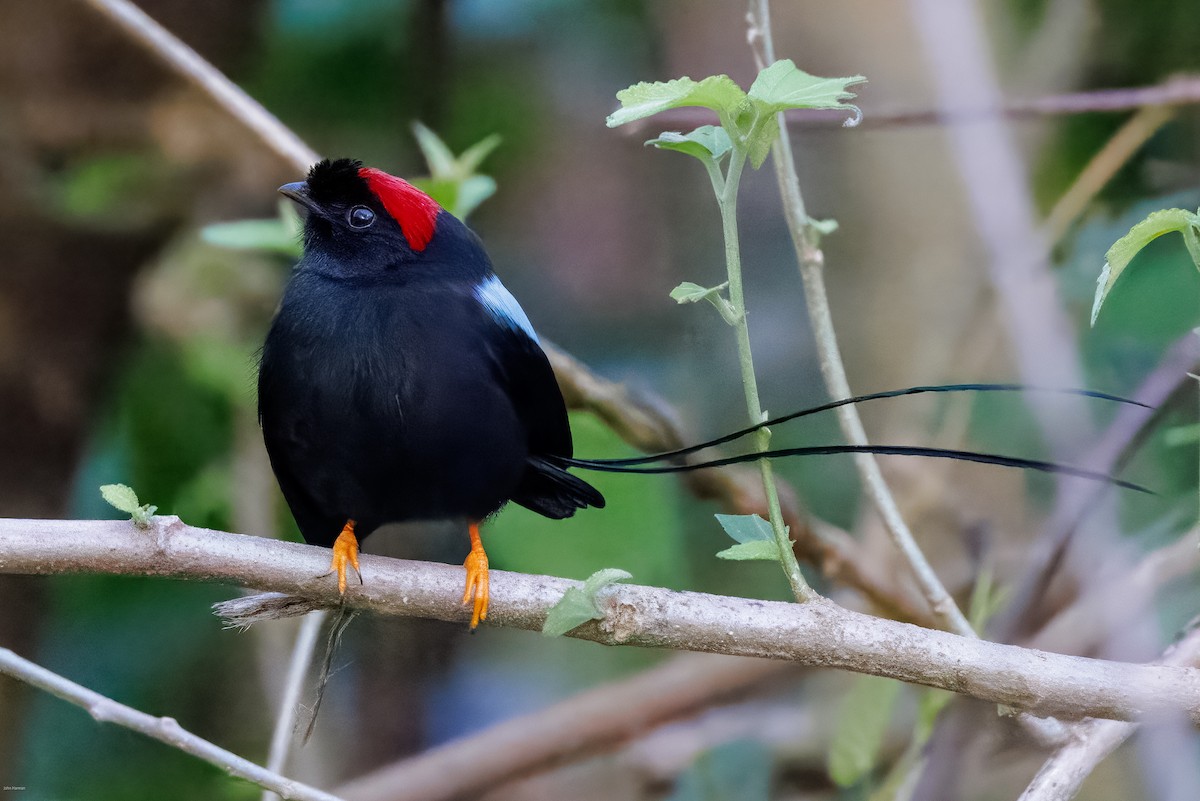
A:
(647, 464)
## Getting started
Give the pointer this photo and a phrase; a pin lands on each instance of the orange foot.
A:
(477, 578)
(345, 551)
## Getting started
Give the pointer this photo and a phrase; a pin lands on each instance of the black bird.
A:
(401, 381)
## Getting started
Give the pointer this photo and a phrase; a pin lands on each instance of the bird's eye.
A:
(360, 217)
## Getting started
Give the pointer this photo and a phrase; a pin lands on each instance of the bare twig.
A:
(818, 633)
(594, 721)
(1093, 740)
(1180, 90)
(812, 273)
(167, 730)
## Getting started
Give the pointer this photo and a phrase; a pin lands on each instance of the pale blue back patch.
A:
(504, 307)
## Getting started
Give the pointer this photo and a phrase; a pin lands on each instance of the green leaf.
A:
(987, 598)
(717, 92)
(124, 499)
(759, 139)
(120, 497)
(1182, 435)
(473, 190)
(471, 158)
(735, 771)
(706, 142)
(580, 604)
(745, 551)
(746, 528)
(862, 721)
(269, 235)
(783, 85)
(755, 538)
(687, 292)
(1124, 249)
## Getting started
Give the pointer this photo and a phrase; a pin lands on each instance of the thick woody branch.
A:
(819, 634)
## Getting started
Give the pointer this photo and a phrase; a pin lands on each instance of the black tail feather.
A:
(894, 393)
(607, 466)
(548, 489)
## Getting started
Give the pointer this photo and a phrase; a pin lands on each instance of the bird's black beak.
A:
(298, 191)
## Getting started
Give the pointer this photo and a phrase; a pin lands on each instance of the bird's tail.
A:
(673, 461)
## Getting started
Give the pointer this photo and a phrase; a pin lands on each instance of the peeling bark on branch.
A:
(819, 633)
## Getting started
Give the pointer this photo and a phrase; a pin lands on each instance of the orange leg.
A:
(477, 578)
(345, 551)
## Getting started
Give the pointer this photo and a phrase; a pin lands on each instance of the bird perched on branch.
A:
(401, 381)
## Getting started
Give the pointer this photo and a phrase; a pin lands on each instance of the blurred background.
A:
(127, 354)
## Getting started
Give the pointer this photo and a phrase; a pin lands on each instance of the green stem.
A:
(726, 189)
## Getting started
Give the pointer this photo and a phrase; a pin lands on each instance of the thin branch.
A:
(166, 730)
(1092, 740)
(592, 722)
(812, 273)
(1116, 152)
(818, 633)
(1181, 90)
(293, 689)
(194, 68)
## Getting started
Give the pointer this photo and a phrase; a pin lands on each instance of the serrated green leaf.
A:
(716, 92)
(273, 236)
(580, 604)
(863, 718)
(706, 142)
(1124, 249)
(783, 85)
(120, 497)
(440, 159)
(746, 551)
(746, 528)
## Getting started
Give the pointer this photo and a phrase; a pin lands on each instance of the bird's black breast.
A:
(383, 403)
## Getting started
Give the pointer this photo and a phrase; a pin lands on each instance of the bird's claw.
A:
(345, 552)
(476, 592)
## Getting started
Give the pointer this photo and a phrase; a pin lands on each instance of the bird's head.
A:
(363, 221)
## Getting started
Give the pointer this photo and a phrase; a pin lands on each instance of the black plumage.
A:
(399, 380)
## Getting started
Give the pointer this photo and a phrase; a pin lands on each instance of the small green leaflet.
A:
(862, 721)
(124, 499)
(783, 85)
(753, 535)
(1124, 249)
(717, 92)
(706, 142)
(687, 292)
(579, 604)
